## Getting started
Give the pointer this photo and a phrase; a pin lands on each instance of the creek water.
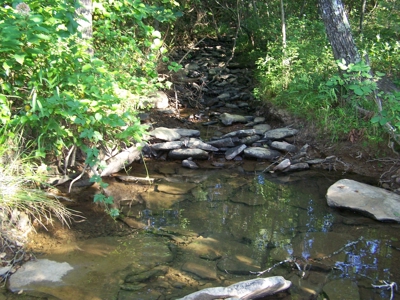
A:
(214, 227)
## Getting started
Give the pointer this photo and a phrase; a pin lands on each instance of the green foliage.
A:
(298, 69)
(126, 38)
(58, 95)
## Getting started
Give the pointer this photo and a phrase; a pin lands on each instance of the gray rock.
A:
(158, 100)
(198, 144)
(223, 143)
(262, 127)
(233, 152)
(167, 145)
(187, 132)
(228, 119)
(248, 140)
(280, 133)
(241, 133)
(244, 290)
(283, 165)
(283, 146)
(261, 153)
(38, 271)
(186, 153)
(374, 202)
(165, 134)
(186, 163)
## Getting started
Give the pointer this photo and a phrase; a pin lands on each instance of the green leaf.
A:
(19, 58)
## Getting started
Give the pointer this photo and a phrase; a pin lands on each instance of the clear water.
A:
(262, 219)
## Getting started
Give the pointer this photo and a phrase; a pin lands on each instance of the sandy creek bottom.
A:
(206, 228)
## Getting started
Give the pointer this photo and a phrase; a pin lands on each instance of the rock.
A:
(261, 153)
(233, 152)
(262, 127)
(283, 146)
(165, 134)
(283, 165)
(201, 268)
(238, 265)
(342, 289)
(198, 144)
(249, 140)
(167, 145)
(280, 133)
(159, 100)
(146, 275)
(244, 290)
(187, 163)
(187, 132)
(206, 248)
(186, 153)
(157, 201)
(228, 119)
(223, 143)
(175, 188)
(38, 271)
(241, 133)
(371, 201)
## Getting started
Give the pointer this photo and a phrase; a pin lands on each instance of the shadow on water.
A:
(223, 227)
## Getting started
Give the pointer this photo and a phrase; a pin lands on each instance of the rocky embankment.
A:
(212, 115)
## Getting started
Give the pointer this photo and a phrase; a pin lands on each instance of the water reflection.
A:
(292, 218)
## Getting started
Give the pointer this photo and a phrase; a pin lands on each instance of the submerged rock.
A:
(245, 290)
(38, 271)
(371, 201)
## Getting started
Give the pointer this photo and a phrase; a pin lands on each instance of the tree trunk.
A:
(85, 21)
(338, 30)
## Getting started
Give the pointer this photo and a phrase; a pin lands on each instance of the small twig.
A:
(77, 178)
(391, 286)
(274, 266)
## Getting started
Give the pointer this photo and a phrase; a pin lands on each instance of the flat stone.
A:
(238, 265)
(261, 153)
(175, 188)
(165, 134)
(233, 152)
(228, 119)
(248, 140)
(167, 145)
(199, 144)
(280, 133)
(342, 289)
(244, 290)
(206, 248)
(262, 127)
(371, 201)
(188, 132)
(283, 146)
(224, 142)
(158, 201)
(38, 271)
(241, 133)
(201, 268)
(186, 153)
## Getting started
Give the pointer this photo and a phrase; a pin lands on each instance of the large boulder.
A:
(371, 201)
(245, 290)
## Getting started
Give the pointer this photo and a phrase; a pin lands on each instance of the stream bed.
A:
(215, 227)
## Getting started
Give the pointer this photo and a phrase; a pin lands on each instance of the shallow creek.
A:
(211, 227)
